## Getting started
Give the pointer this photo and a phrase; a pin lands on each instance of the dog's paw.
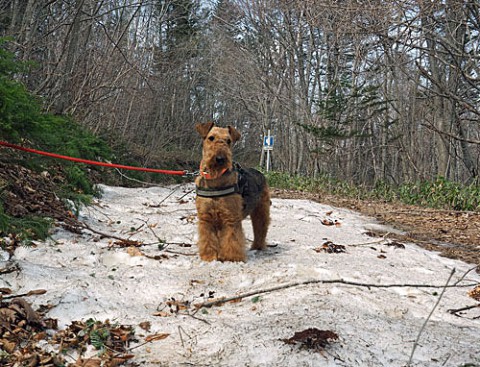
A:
(208, 257)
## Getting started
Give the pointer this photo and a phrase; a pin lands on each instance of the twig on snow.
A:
(187, 193)
(465, 274)
(220, 301)
(466, 308)
(83, 225)
(379, 241)
(10, 269)
(170, 194)
(415, 344)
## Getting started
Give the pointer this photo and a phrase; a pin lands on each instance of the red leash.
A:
(95, 163)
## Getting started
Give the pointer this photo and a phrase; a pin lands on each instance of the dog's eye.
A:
(211, 138)
(229, 141)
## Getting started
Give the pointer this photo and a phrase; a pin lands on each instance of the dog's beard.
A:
(217, 164)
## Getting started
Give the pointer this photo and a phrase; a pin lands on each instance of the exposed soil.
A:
(455, 234)
(25, 192)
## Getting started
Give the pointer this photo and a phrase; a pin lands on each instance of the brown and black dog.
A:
(226, 194)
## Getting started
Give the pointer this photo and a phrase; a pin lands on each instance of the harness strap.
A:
(218, 192)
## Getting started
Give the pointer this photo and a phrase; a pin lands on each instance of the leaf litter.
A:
(312, 339)
(25, 333)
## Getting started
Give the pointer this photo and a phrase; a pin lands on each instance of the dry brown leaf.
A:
(90, 362)
(7, 314)
(330, 248)
(396, 244)
(146, 325)
(116, 361)
(155, 337)
(36, 292)
(162, 314)
(30, 314)
(133, 251)
(312, 338)
(127, 243)
(475, 293)
(327, 222)
(8, 346)
(176, 306)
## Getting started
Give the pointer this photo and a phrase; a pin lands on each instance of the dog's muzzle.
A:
(220, 160)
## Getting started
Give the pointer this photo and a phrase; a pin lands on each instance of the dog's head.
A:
(217, 147)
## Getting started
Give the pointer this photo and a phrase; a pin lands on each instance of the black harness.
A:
(237, 188)
(217, 192)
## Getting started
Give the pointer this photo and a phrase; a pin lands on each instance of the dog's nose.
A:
(220, 160)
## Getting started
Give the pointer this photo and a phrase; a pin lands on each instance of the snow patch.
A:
(86, 276)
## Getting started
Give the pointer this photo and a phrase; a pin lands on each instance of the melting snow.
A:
(87, 277)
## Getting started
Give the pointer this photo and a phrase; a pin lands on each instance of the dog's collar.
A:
(236, 188)
(217, 192)
(206, 175)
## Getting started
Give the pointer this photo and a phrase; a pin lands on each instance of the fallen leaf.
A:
(28, 311)
(127, 243)
(475, 293)
(330, 248)
(116, 361)
(328, 222)
(8, 346)
(133, 251)
(36, 292)
(155, 337)
(146, 325)
(312, 338)
(396, 244)
(162, 314)
(90, 362)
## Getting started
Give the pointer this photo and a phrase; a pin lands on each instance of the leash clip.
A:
(190, 174)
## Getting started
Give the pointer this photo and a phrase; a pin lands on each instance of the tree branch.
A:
(221, 301)
(471, 141)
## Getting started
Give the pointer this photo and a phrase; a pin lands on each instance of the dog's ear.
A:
(234, 133)
(204, 128)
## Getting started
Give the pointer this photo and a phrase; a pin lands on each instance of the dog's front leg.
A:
(208, 242)
(232, 243)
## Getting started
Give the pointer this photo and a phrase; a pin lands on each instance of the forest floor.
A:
(131, 259)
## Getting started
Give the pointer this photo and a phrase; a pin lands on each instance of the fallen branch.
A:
(137, 243)
(106, 235)
(221, 301)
